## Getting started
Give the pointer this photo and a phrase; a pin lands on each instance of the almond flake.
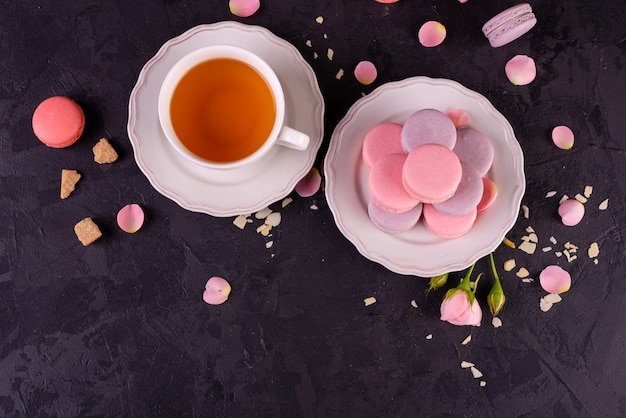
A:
(339, 74)
(525, 211)
(595, 261)
(604, 204)
(467, 340)
(269, 244)
(553, 240)
(551, 193)
(546, 249)
(527, 280)
(496, 322)
(528, 247)
(582, 199)
(564, 198)
(466, 364)
(552, 298)
(476, 373)
(319, 19)
(533, 238)
(429, 337)
(308, 43)
(509, 264)
(588, 191)
(414, 304)
(314, 207)
(544, 305)
(262, 214)
(529, 229)
(264, 229)
(315, 55)
(240, 221)
(522, 272)
(273, 219)
(593, 250)
(483, 383)
(330, 53)
(369, 301)
(286, 201)
(558, 253)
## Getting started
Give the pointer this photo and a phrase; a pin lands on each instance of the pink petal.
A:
(365, 72)
(554, 279)
(571, 212)
(490, 191)
(458, 117)
(216, 291)
(521, 70)
(462, 1)
(310, 184)
(386, 1)
(244, 8)
(130, 218)
(563, 137)
(431, 33)
(454, 304)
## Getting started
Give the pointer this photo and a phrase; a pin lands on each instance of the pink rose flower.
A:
(457, 309)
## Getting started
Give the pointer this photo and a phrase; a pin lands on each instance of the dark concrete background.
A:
(119, 328)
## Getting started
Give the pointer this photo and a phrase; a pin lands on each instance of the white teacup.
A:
(223, 107)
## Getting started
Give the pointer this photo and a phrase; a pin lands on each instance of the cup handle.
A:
(291, 138)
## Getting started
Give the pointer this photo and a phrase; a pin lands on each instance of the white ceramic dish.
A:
(231, 192)
(419, 252)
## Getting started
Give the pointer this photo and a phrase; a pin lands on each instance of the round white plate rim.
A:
(220, 193)
(350, 213)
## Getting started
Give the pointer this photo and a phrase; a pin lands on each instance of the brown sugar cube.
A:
(103, 152)
(69, 178)
(87, 231)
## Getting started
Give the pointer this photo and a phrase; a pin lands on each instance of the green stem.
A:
(465, 284)
(496, 284)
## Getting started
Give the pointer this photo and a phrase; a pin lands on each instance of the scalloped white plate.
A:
(232, 192)
(419, 252)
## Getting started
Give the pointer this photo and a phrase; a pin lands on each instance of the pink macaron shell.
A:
(382, 139)
(58, 122)
(474, 149)
(445, 226)
(385, 185)
(431, 173)
(467, 195)
(428, 126)
(490, 192)
(393, 223)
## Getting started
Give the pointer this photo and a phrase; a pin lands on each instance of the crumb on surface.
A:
(87, 231)
(104, 153)
(69, 178)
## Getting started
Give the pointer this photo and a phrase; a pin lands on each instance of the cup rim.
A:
(193, 58)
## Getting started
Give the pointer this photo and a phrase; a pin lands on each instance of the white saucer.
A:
(419, 252)
(233, 192)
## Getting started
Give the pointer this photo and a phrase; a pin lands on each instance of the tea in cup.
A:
(223, 107)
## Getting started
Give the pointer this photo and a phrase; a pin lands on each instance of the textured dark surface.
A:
(119, 328)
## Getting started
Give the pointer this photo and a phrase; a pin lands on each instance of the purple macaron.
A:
(509, 25)
(467, 196)
(393, 223)
(427, 126)
(474, 149)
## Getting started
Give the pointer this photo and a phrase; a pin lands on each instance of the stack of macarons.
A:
(427, 168)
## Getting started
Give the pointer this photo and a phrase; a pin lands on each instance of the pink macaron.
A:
(385, 185)
(428, 126)
(381, 140)
(446, 226)
(509, 25)
(393, 223)
(431, 173)
(474, 149)
(467, 195)
(58, 122)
